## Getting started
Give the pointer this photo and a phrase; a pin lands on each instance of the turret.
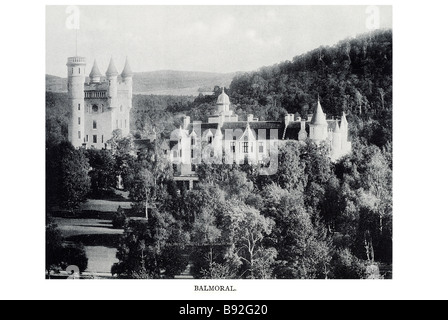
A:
(95, 74)
(112, 75)
(318, 124)
(223, 102)
(75, 86)
(336, 142)
(126, 75)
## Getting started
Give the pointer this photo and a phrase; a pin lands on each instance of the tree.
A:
(146, 177)
(67, 175)
(303, 249)
(53, 246)
(102, 173)
(151, 249)
(59, 256)
(246, 229)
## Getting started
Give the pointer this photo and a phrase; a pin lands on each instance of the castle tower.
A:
(126, 75)
(318, 124)
(345, 145)
(75, 87)
(95, 74)
(336, 142)
(112, 91)
(223, 102)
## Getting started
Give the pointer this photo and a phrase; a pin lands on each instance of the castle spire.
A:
(344, 123)
(318, 115)
(336, 129)
(127, 71)
(95, 74)
(111, 70)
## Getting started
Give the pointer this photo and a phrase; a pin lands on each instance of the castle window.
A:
(260, 147)
(121, 108)
(79, 70)
(102, 139)
(193, 167)
(210, 139)
(94, 138)
(87, 138)
(232, 147)
(246, 147)
(180, 153)
(72, 70)
(192, 141)
(79, 134)
(79, 106)
(192, 153)
(175, 154)
(94, 108)
(79, 120)
(94, 124)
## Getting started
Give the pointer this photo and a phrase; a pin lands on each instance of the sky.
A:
(199, 38)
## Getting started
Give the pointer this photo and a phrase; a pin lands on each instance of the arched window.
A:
(94, 108)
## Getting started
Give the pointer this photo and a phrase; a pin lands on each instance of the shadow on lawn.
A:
(103, 240)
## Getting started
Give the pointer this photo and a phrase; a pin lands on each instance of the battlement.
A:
(76, 60)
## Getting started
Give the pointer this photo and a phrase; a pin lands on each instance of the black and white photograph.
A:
(218, 142)
(217, 159)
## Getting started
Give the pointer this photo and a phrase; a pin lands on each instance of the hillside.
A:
(163, 82)
(354, 76)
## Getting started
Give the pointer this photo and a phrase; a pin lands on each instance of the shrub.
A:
(119, 218)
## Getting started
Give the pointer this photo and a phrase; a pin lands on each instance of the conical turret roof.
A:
(127, 71)
(95, 71)
(336, 129)
(111, 70)
(344, 123)
(318, 115)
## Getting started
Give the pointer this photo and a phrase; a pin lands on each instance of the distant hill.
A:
(163, 82)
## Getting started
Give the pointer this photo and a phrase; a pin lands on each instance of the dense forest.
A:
(312, 219)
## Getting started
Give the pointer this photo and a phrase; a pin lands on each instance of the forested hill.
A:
(354, 75)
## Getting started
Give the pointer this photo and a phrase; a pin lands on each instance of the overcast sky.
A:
(199, 38)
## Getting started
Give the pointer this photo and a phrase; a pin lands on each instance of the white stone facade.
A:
(98, 106)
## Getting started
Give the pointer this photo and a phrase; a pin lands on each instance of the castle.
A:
(252, 141)
(100, 106)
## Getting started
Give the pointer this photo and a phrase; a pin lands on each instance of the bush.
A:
(75, 255)
(346, 266)
(119, 219)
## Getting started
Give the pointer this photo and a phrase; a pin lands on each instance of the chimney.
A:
(186, 122)
(250, 117)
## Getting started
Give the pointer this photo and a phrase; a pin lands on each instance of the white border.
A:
(420, 214)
